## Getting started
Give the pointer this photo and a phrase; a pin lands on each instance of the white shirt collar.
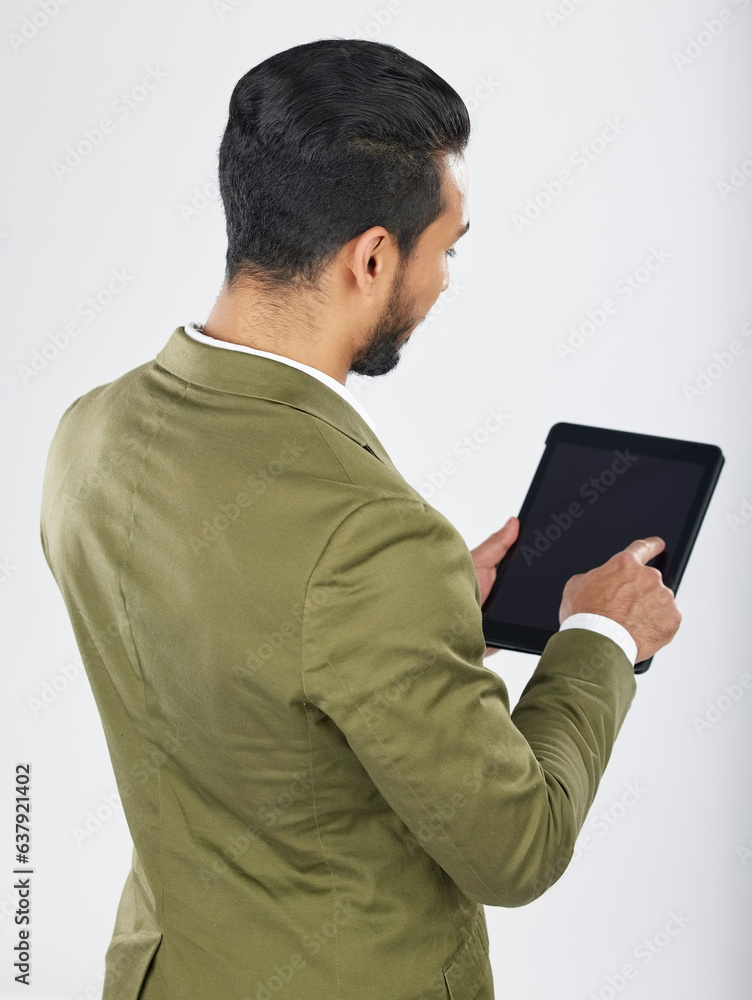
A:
(193, 331)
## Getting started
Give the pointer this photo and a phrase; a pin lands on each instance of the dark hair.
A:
(325, 140)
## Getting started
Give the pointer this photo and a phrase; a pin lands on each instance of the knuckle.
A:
(622, 560)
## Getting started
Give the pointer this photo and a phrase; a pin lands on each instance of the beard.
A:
(380, 353)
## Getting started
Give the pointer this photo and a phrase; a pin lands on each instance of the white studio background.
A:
(646, 103)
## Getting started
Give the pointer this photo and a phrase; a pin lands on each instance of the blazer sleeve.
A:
(393, 653)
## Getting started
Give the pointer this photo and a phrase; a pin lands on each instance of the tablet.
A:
(595, 491)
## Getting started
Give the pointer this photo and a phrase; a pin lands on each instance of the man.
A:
(322, 780)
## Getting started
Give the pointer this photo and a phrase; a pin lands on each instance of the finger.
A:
(644, 549)
(502, 540)
(503, 537)
(511, 526)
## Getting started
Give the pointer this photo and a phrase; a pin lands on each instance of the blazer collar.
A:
(252, 375)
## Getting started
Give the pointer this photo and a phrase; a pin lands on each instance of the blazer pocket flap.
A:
(135, 938)
(127, 962)
(468, 974)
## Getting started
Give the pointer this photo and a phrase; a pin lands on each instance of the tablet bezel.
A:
(522, 638)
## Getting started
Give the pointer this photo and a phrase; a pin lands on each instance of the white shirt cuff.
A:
(604, 626)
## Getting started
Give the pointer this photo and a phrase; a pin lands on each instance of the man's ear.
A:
(371, 260)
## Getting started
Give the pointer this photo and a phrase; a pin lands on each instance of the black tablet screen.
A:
(591, 503)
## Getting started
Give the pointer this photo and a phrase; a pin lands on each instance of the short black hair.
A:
(325, 140)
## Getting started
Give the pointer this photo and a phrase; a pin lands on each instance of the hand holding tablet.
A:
(595, 492)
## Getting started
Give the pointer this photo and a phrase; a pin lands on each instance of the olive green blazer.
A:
(322, 780)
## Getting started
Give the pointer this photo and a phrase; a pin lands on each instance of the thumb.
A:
(497, 544)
